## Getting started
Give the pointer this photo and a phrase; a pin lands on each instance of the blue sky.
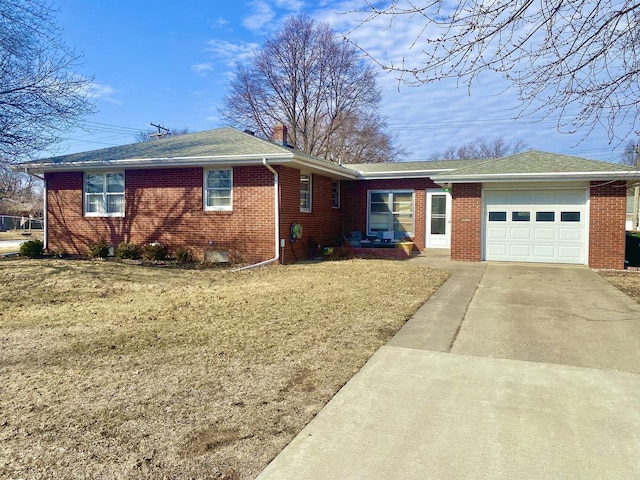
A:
(169, 63)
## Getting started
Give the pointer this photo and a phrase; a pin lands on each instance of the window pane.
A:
(570, 216)
(94, 203)
(497, 216)
(403, 197)
(115, 182)
(403, 223)
(115, 203)
(380, 198)
(520, 216)
(378, 222)
(220, 198)
(438, 204)
(219, 179)
(545, 216)
(380, 207)
(95, 183)
(438, 225)
(335, 193)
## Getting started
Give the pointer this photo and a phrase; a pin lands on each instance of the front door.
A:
(438, 228)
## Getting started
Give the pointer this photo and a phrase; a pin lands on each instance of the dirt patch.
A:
(122, 371)
(628, 282)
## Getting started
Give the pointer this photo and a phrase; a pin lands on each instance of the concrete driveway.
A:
(511, 371)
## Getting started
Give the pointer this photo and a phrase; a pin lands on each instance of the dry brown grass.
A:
(21, 235)
(112, 370)
(628, 282)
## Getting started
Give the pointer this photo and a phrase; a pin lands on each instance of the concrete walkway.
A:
(511, 371)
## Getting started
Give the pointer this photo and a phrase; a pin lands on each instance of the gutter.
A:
(276, 204)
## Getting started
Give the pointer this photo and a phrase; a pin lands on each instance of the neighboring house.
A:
(226, 189)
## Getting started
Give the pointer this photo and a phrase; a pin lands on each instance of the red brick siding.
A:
(166, 205)
(354, 197)
(466, 222)
(607, 224)
(322, 225)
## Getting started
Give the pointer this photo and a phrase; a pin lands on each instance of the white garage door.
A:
(535, 226)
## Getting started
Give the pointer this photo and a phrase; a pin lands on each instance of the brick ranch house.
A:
(224, 189)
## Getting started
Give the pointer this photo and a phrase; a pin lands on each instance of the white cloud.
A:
(104, 92)
(228, 52)
(261, 14)
(202, 68)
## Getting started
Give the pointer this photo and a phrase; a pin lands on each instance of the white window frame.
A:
(306, 195)
(207, 191)
(335, 193)
(105, 194)
(391, 214)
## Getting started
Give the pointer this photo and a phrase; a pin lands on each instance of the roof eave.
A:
(168, 162)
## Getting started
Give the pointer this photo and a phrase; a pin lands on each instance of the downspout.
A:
(276, 204)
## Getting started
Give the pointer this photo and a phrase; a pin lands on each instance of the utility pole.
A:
(162, 131)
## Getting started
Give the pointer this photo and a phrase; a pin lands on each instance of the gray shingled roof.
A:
(429, 166)
(221, 142)
(533, 161)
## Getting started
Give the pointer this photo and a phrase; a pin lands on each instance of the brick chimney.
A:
(280, 135)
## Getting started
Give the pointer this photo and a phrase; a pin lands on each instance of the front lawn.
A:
(111, 370)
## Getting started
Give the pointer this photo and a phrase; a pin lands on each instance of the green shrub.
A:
(129, 251)
(154, 251)
(185, 255)
(99, 249)
(32, 248)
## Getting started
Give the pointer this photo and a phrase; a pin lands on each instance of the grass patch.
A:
(113, 370)
(628, 282)
(22, 235)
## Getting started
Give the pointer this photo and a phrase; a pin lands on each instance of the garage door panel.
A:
(522, 251)
(544, 234)
(497, 250)
(536, 225)
(497, 233)
(544, 251)
(570, 234)
(519, 233)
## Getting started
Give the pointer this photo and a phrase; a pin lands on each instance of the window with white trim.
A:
(218, 189)
(305, 192)
(335, 193)
(104, 194)
(390, 211)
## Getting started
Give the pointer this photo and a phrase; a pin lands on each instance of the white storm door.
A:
(438, 220)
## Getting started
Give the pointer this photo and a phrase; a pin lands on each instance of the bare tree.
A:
(40, 95)
(630, 154)
(479, 149)
(317, 85)
(578, 58)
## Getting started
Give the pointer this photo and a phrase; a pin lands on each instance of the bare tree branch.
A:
(480, 149)
(579, 59)
(40, 95)
(318, 86)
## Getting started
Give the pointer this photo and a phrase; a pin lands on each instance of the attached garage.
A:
(536, 225)
(539, 207)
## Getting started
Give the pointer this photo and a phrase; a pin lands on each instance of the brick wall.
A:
(355, 203)
(466, 222)
(607, 224)
(321, 226)
(166, 205)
